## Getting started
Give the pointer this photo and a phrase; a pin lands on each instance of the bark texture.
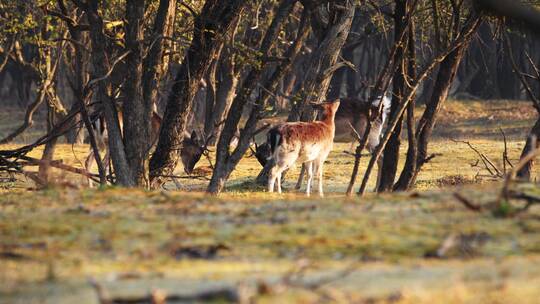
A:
(531, 144)
(226, 161)
(211, 25)
(100, 62)
(135, 110)
(391, 152)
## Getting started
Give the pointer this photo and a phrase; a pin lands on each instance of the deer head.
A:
(328, 108)
(192, 150)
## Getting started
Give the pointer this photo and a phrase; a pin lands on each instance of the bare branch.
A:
(108, 74)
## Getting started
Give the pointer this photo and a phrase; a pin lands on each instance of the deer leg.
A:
(309, 167)
(320, 178)
(272, 179)
(300, 178)
(279, 181)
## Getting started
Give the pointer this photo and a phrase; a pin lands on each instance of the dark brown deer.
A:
(193, 147)
(355, 113)
(307, 142)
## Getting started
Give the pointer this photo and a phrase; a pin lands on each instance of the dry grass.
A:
(62, 235)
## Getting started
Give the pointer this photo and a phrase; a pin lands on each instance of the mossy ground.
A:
(132, 241)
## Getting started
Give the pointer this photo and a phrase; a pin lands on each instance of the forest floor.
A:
(69, 244)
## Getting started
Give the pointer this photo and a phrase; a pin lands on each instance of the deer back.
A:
(308, 140)
(356, 113)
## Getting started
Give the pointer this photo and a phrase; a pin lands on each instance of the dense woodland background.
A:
(220, 68)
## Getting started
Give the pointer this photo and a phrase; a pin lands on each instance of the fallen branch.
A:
(488, 164)
(467, 202)
(59, 165)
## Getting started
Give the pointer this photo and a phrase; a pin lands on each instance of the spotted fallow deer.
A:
(307, 142)
(193, 147)
(355, 113)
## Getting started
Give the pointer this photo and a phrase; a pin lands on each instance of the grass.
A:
(133, 241)
(63, 235)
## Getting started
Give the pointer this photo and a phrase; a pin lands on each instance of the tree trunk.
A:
(155, 66)
(391, 152)
(225, 161)
(412, 150)
(211, 97)
(136, 111)
(322, 63)
(445, 77)
(317, 80)
(124, 176)
(225, 94)
(214, 21)
(534, 137)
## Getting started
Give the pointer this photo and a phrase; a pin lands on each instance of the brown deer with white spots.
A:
(307, 142)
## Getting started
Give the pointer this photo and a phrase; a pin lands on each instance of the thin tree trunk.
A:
(463, 39)
(391, 152)
(445, 76)
(410, 167)
(48, 151)
(155, 66)
(124, 176)
(211, 96)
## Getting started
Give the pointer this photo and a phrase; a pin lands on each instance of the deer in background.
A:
(307, 142)
(193, 146)
(351, 119)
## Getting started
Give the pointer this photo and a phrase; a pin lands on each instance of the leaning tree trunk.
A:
(155, 65)
(447, 71)
(220, 97)
(391, 152)
(226, 91)
(531, 144)
(225, 161)
(214, 21)
(320, 66)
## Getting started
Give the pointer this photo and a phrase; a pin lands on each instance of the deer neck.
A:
(329, 120)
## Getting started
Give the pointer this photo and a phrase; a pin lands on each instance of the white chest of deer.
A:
(307, 142)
